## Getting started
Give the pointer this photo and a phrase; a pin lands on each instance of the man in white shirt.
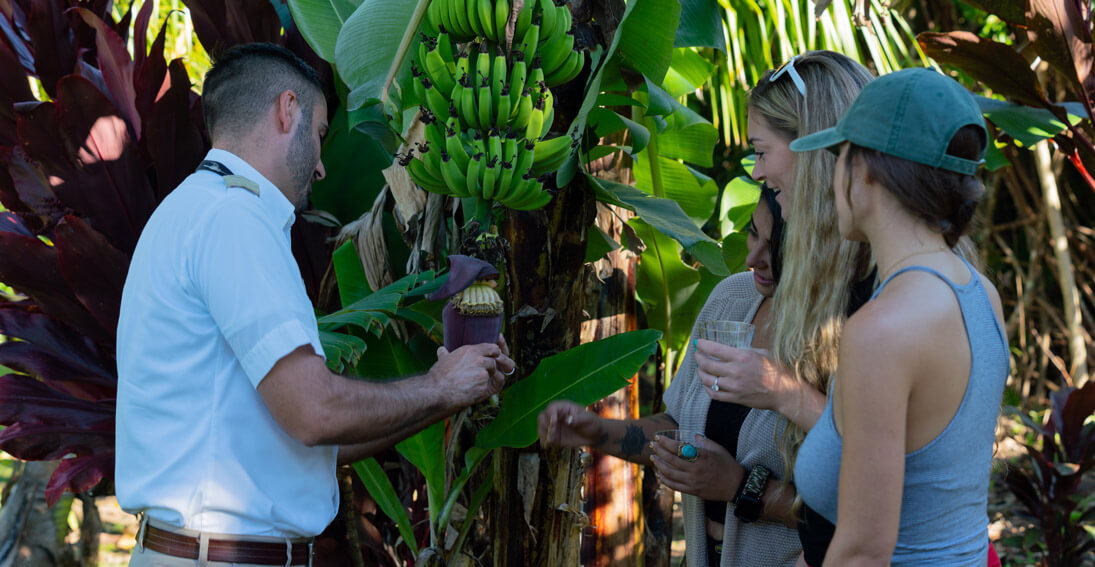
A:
(229, 422)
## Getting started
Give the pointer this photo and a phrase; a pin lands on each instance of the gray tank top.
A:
(944, 518)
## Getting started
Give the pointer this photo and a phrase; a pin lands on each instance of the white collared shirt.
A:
(212, 300)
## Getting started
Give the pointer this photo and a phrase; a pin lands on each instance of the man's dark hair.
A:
(247, 79)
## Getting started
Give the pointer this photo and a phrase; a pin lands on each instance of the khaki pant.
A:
(143, 557)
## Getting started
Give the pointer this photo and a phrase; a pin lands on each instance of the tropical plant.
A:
(1051, 489)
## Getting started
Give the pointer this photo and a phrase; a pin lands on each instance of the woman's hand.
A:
(567, 424)
(751, 377)
(713, 475)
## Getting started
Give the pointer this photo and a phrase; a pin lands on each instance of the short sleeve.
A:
(246, 275)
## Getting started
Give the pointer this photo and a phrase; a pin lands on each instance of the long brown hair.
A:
(810, 305)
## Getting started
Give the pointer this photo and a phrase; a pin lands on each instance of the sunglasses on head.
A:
(788, 69)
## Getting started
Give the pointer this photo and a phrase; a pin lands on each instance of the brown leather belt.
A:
(226, 551)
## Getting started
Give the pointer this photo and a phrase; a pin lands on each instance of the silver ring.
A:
(511, 371)
(715, 386)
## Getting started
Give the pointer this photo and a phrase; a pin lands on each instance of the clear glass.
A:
(730, 333)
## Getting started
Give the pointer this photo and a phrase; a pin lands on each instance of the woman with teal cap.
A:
(900, 458)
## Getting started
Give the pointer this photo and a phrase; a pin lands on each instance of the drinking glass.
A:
(730, 333)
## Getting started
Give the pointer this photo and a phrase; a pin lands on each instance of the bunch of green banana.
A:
(482, 76)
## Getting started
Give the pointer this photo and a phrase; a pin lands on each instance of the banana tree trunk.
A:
(28, 534)
(613, 486)
(535, 508)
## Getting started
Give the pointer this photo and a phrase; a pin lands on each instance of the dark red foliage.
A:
(80, 175)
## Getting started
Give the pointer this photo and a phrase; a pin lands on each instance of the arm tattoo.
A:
(634, 440)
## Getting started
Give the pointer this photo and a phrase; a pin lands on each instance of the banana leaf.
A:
(342, 351)
(366, 56)
(666, 216)
(700, 25)
(381, 489)
(583, 375)
(426, 451)
(320, 21)
(354, 163)
(645, 36)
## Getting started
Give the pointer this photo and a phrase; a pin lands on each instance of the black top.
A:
(814, 531)
(724, 421)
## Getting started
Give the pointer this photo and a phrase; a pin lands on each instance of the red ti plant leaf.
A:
(32, 191)
(173, 140)
(151, 68)
(14, 88)
(93, 268)
(25, 399)
(10, 222)
(50, 34)
(1062, 38)
(116, 67)
(78, 474)
(1077, 405)
(49, 442)
(103, 180)
(221, 25)
(58, 371)
(31, 267)
(27, 323)
(996, 65)
(17, 41)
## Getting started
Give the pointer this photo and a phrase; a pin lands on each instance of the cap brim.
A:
(825, 139)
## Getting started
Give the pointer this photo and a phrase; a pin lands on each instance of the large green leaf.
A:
(739, 198)
(667, 217)
(426, 451)
(701, 25)
(382, 491)
(696, 199)
(645, 36)
(688, 137)
(354, 162)
(352, 284)
(387, 357)
(687, 72)
(1028, 125)
(367, 51)
(319, 21)
(342, 350)
(671, 291)
(605, 122)
(583, 374)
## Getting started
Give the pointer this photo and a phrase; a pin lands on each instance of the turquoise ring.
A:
(688, 452)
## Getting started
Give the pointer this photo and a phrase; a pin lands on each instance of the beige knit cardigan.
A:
(763, 543)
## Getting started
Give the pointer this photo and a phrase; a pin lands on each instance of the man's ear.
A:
(285, 111)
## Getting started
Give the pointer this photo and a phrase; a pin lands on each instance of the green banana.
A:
(434, 135)
(509, 149)
(521, 113)
(474, 165)
(554, 52)
(548, 21)
(433, 15)
(566, 18)
(535, 120)
(416, 84)
(524, 20)
(438, 71)
(477, 142)
(517, 75)
(430, 160)
(460, 18)
(454, 177)
(417, 170)
(497, 80)
(455, 145)
(435, 101)
(444, 45)
(531, 39)
(483, 101)
(472, 11)
(494, 145)
(536, 201)
(501, 117)
(549, 118)
(501, 18)
(490, 177)
(485, 12)
(524, 189)
(457, 99)
(566, 72)
(526, 153)
(506, 180)
(549, 155)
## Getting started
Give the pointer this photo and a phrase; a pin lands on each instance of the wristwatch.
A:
(747, 505)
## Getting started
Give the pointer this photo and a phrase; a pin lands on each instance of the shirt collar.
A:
(273, 200)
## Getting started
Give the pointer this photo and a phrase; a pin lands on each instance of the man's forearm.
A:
(377, 415)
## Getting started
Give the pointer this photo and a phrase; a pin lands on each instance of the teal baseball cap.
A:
(911, 114)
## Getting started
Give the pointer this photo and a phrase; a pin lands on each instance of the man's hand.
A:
(472, 373)
(567, 424)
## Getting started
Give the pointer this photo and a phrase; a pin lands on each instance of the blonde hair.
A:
(810, 305)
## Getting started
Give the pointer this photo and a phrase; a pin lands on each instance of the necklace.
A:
(907, 256)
